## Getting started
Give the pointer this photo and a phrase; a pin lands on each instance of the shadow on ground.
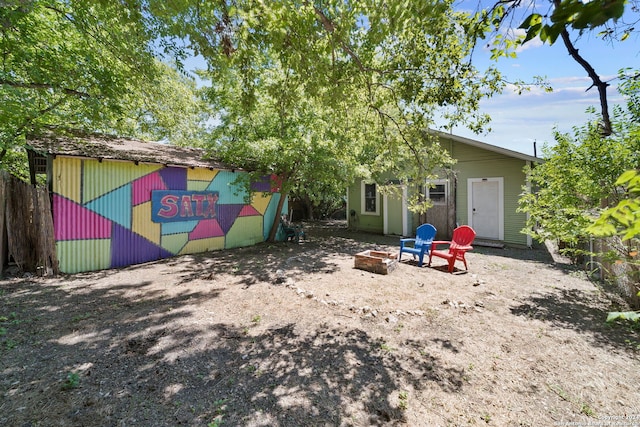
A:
(141, 356)
(135, 363)
(580, 311)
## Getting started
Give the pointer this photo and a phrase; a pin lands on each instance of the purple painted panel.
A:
(263, 185)
(74, 222)
(129, 248)
(174, 178)
(227, 215)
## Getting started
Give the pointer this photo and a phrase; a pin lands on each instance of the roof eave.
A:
(485, 146)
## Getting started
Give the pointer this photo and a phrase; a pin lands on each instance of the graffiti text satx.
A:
(170, 206)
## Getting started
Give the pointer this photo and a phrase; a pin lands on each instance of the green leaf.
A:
(613, 316)
(626, 177)
(550, 33)
(604, 229)
(532, 33)
(531, 21)
(565, 11)
(632, 316)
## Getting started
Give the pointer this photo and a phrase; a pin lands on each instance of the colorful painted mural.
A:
(110, 214)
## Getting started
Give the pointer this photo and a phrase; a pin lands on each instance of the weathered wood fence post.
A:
(29, 226)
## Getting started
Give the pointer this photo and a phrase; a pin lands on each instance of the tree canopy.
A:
(369, 78)
(316, 92)
(86, 65)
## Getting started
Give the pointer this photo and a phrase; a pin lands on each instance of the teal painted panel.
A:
(270, 213)
(115, 205)
(229, 193)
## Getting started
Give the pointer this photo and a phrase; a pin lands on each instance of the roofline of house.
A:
(484, 145)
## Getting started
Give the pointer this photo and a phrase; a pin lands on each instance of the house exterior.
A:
(481, 190)
(118, 202)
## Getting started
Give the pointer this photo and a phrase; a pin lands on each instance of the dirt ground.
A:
(293, 335)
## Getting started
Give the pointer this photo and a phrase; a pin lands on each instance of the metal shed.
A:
(120, 201)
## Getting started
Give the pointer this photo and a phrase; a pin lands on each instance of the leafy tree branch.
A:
(556, 21)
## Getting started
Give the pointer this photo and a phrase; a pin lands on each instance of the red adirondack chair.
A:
(460, 244)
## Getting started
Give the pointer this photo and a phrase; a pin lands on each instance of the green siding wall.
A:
(395, 214)
(369, 223)
(475, 162)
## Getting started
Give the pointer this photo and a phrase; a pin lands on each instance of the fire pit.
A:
(377, 261)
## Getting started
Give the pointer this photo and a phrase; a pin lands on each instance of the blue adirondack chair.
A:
(420, 245)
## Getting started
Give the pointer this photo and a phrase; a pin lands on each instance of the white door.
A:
(486, 207)
(395, 213)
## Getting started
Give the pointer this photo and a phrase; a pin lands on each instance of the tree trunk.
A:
(308, 206)
(276, 219)
(595, 79)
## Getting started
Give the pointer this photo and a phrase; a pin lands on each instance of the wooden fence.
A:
(26, 227)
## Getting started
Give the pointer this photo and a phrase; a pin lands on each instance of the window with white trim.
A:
(437, 191)
(370, 203)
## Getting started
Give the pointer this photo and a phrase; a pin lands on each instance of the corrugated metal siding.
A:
(102, 213)
(83, 238)
(106, 177)
(246, 231)
(67, 173)
(84, 255)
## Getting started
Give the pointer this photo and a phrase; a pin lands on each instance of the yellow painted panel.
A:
(203, 245)
(101, 177)
(201, 174)
(67, 177)
(84, 255)
(174, 242)
(260, 202)
(197, 185)
(142, 224)
(245, 231)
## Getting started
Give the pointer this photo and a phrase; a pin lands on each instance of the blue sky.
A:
(519, 120)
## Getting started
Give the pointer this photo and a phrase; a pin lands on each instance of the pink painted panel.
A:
(71, 221)
(142, 187)
(206, 228)
(249, 210)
